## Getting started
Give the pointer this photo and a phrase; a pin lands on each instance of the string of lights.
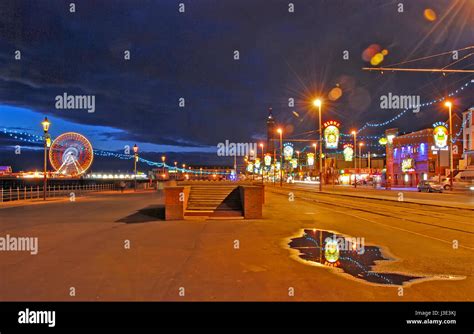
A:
(421, 105)
(37, 139)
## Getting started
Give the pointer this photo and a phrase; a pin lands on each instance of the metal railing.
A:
(36, 192)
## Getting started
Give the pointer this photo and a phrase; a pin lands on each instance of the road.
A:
(82, 245)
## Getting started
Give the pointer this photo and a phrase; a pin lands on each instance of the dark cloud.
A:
(191, 55)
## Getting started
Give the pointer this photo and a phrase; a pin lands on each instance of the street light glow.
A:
(317, 103)
(279, 130)
(448, 104)
(46, 123)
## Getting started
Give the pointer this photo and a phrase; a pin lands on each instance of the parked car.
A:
(430, 186)
(458, 183)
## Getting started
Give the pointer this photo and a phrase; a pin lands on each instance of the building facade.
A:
(467, 161)
(418, 156)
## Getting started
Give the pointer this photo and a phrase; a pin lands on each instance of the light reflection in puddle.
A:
(346, 253)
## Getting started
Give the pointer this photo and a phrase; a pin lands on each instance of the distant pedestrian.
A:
(122, 186)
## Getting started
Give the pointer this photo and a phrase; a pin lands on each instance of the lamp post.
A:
(176, 170)
(298, 160)
(449, 105)
(163, 159)
(135, 160)
(252, 156)
(315, 145)
(354, 133)
(45, 125)
(360, 155)
(280, 131)
(318, 104)
(262, 163)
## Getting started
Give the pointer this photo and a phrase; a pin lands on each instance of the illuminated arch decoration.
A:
(348, 152)
(331, 134)
(71, 154)
(267, 160)
(331, 250)
(250, 167)
(294, 163)
(257, 163)
(440, 134)
(288, 151)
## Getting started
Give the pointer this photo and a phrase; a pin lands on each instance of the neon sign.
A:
(268, 160)
(331, 134)
(348, 152)
(310, 159)
(288, 151)
(440, 134)
(408, 165)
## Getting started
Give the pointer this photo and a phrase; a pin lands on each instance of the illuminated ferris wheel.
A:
(71, 154)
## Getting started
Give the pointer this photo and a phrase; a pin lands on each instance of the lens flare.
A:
(429, 14)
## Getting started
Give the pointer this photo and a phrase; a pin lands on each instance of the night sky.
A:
(190, 55)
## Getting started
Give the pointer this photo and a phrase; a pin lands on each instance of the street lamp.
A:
(45, 125)
(280, 131)
(318, 103)
(135, 160)
(163, 159)
(449, 105)
(360, 156)
(176, 170)
(354, 133)
(298, 160)
(262, 163)
(252, 155)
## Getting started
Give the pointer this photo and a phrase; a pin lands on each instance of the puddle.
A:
(348, 254)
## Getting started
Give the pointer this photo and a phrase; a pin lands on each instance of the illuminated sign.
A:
(331, 134)
(408, 165)
(310, 159)
(288, 151)
(268, 160)
(348, 152)
(440, 134)
(250, 167)
(383, 141)
(277, 165)
(257, 163)
(294, 163)
(331, 250)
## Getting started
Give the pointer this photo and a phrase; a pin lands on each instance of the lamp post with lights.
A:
(318, 104)
(163, 159)
(135, 160)
(354, 133)
(262, 163)
(280, 132)
(47, 140)
(449, 104)
(298, 160)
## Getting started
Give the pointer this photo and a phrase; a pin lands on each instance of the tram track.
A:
(368, 206)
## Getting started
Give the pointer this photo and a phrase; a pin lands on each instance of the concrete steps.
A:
(214, 201)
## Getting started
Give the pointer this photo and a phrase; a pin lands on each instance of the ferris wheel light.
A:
(71, 154)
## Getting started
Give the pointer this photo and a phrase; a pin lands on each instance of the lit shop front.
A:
(419, 155)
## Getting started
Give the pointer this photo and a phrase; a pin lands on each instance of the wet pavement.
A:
(348, 254)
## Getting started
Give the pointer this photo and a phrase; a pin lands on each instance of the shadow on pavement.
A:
(148, 214)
